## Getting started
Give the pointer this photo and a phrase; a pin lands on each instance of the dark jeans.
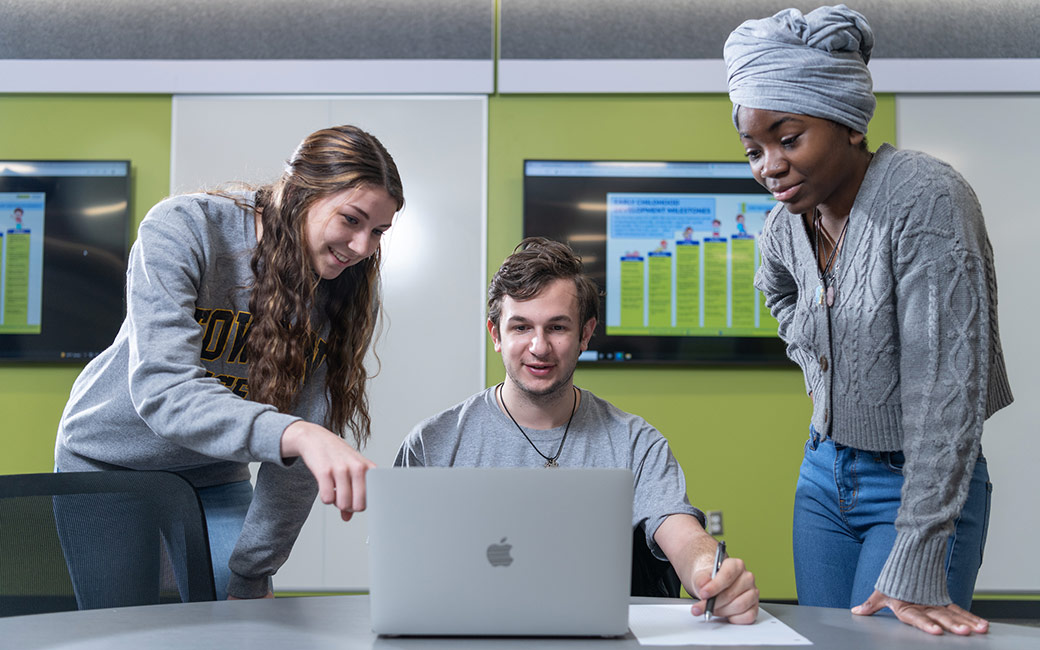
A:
(121, 553)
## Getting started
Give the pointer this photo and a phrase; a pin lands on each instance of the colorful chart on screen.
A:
(21, 261)
(684, 265)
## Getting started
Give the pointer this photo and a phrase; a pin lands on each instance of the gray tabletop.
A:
(341, 623)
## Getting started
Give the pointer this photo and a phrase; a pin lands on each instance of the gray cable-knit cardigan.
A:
(908, 357)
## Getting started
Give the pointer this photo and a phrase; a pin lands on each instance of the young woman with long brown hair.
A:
(249, 314)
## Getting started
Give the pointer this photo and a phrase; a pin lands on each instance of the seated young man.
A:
(542, 310)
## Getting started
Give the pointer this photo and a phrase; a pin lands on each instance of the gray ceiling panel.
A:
(246, 29)
(696, 29)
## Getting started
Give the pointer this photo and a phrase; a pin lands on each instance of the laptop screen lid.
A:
(500, 552)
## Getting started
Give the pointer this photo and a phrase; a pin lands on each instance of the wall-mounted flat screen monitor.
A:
(673, 245)
(64, 230)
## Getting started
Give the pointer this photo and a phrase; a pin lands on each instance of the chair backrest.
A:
(650, 576)
(87, 540)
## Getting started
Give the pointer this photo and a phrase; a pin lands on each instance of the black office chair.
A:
(650, 576)
(88, 540)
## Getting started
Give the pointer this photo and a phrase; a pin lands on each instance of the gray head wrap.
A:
(814, 65)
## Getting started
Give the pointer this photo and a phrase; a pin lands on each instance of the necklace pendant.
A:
(819, 294)
(830, 296)
(551, 463)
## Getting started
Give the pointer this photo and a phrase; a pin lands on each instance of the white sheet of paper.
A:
(674, 625)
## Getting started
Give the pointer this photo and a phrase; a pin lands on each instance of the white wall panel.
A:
(432, 348)
(985, 139)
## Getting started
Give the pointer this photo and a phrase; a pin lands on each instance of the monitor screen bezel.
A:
(79, 334)
(588, 240)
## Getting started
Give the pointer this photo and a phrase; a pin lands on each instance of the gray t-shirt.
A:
(475, 433)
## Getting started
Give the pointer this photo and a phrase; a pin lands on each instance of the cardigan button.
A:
(823, 362)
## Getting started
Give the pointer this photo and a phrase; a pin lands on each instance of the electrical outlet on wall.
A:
(714, 522)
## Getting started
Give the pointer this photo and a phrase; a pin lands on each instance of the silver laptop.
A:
(500, 552)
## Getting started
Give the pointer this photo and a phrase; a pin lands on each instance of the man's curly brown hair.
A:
(535, 262)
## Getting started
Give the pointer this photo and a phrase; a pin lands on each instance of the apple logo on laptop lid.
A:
(498, 554)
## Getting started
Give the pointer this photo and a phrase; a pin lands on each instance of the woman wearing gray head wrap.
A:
(878, 268)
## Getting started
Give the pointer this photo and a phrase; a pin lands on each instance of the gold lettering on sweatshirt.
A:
(224, 337)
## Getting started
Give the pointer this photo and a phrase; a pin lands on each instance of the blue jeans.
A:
(844, 524)
(225, 507)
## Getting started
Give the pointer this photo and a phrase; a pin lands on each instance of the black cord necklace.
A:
(549, 462)
(826, 289)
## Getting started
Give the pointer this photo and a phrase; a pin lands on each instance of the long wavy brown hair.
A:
(291, 304)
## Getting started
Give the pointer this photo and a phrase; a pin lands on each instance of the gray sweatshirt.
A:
(908, 357)
(168, 393)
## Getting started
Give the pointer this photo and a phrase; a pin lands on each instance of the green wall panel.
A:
(133, 127)
(737, 432)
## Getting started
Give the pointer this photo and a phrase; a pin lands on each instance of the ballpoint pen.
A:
(720, 553)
